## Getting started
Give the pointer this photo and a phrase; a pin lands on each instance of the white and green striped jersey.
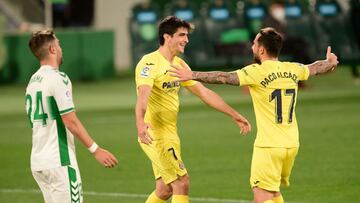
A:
(48, 96)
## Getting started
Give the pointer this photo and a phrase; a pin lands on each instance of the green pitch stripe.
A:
(74, 186)
(62, 138)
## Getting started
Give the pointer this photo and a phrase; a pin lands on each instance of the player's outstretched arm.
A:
(140, 110)
(324, 66)
(215, 101)
(103, 156)
(214, 77)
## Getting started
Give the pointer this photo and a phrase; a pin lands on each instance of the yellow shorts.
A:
(271, 167)
(166, 159)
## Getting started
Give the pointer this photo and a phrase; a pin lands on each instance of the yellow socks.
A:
(278, 199)
(180, 199)
(154, 199)
(269, 201)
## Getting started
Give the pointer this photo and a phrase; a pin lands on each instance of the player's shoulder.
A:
(253, 65)
(148, 60)
(292, 64)
(179, 60)
(251, 68)
(57, 77)
(150, 56)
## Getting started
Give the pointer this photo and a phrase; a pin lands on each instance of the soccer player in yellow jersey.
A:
(273, 87)
(157, 107)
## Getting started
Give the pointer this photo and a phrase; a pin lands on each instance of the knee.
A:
(185, 184)
(181, 186)
(164, 194)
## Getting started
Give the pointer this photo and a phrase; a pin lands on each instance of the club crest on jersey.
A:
(182, 165)
(145, 72)
(68, 93)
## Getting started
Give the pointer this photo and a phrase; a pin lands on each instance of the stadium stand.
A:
(143, 29)
(333, 27)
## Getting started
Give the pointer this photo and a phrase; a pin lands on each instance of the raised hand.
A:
(105, 158)
(331, 57)
(324, 66)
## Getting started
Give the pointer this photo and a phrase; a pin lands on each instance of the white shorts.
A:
(55, 184)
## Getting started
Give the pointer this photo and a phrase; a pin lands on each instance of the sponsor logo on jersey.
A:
(150, 64)
(172, 84)
(170, 87)
(145, 72)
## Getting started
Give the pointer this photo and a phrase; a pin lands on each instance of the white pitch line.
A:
(129, 195)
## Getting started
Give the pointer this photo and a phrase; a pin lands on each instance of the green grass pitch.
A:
(217, 157)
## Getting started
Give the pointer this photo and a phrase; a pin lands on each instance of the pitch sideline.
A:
(129, 195)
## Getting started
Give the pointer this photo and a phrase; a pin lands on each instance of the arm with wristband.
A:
(103, 156)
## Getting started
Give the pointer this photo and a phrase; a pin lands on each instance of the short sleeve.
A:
(189, 82)
(145, 72)
(62, 92)
(248, 75)
(301, 70)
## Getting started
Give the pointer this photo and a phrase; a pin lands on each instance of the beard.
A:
(61, 61)
(257, 59)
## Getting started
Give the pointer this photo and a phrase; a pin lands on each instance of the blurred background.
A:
(102, 41)
(102, 38)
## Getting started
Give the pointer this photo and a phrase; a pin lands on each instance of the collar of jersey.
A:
(48, 67)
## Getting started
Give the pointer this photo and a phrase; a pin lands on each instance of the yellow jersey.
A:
(273, 87)
(163, 103)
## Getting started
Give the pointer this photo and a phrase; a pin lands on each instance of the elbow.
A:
(70, 121)
(70, 124)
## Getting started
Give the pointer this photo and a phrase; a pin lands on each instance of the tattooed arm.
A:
(324, 66)
(214, 77)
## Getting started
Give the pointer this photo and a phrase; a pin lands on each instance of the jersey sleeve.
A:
(248, 75)
(62, 92)
(189, 82)
(145, 72)
(301, 70)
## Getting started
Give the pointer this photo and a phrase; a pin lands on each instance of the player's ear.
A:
(166, 36)
(262, 50)
(52, 48)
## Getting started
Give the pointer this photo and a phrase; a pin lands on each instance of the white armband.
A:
(93, 147)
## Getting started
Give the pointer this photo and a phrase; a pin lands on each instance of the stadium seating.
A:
(183, 9)
(143, 30)
(333, 28)
(299, 25)
(224, 33)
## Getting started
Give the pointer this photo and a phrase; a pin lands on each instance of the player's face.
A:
(179, 40)
(255, 49)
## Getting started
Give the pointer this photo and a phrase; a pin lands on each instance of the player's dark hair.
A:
(39, 41)
(271, 40)
(170, 25)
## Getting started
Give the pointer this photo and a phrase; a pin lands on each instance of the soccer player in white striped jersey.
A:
(273, 87)
(51, 112)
